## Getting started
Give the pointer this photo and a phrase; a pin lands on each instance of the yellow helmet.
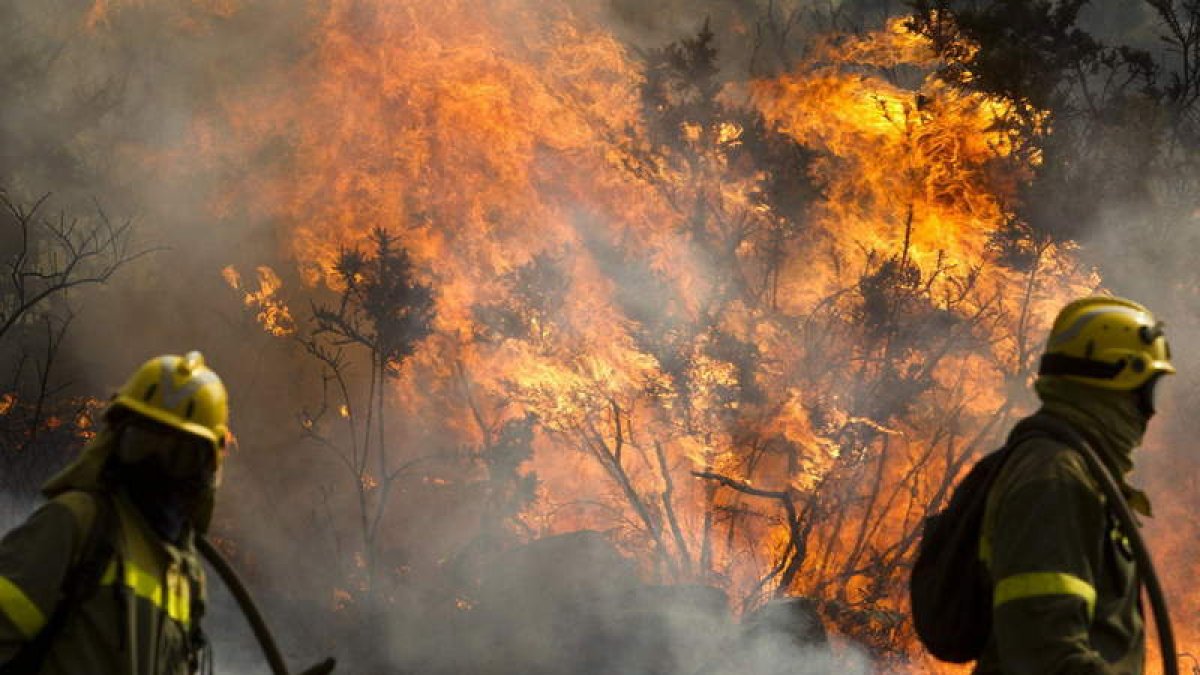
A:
(180, 392)
(1107, 342)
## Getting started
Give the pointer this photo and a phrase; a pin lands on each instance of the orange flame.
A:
(273, 313)
(517, 169)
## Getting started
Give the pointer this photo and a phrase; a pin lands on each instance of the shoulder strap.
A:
(1015, 440)
(80, 584)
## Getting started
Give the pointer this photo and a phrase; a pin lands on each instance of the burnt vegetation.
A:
(52, 260)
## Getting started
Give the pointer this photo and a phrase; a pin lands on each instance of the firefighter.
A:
(104, 577)
(1066, 590)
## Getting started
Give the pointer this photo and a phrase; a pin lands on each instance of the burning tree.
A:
(383, 311)
(1119, 173)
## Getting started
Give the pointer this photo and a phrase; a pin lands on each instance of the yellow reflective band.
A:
(18, 607)
(985, 549)
(175, 599)
(1035, 584)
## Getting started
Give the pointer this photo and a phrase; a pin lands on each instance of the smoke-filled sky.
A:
(235, 132)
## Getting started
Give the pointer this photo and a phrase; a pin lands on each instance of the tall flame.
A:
(655, 313)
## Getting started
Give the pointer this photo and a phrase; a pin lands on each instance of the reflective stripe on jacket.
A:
(140, 619)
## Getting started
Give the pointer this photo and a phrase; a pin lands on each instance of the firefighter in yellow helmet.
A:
(104, 577)
(1065, 588)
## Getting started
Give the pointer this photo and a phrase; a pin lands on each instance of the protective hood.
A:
(87, 472)
(1109, 419)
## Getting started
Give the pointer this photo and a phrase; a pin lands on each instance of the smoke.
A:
(653, 24)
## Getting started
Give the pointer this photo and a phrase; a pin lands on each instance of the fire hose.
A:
(1158, 603)
(257, 624)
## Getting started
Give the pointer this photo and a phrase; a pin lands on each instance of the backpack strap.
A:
(1016, 438)
(80, 584)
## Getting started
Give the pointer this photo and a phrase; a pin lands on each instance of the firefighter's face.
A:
(178, 456)
(1149, 394)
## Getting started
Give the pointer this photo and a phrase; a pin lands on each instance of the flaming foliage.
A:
(753, 329)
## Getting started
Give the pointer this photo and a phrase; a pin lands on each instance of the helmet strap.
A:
(1062, 364)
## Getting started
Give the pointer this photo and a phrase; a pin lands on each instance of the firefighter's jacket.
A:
(143, 617)
(1066, 591)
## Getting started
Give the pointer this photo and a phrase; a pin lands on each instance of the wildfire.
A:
(638, 291)
(928, 168)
